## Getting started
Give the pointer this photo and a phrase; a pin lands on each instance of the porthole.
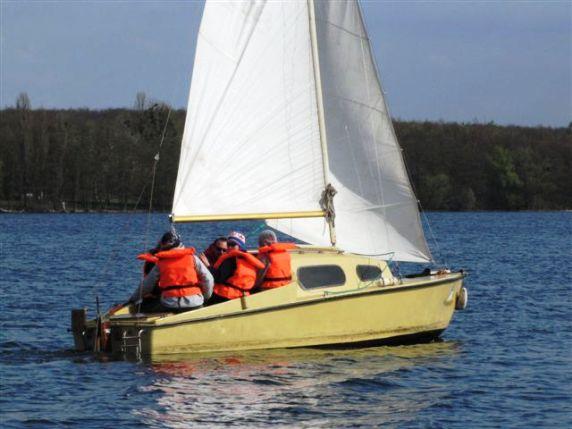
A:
(318, 276)
(368, 273)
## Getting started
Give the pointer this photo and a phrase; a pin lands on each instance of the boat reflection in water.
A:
(298, 386)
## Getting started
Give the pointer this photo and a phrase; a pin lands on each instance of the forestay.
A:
(252, 138)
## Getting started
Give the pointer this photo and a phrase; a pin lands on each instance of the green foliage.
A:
(487, 166)
(94, 160)
(435, 191)
(505, 184)
(466, 200)
(91, 160)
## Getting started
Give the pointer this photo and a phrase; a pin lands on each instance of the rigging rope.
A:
(155, 162)
(156, 159)
(435, 242)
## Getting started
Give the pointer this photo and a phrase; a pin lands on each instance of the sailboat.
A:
(286, 106)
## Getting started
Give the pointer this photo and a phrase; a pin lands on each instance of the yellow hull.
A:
(295, 316)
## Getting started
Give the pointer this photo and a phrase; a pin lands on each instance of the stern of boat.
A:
(94, 335)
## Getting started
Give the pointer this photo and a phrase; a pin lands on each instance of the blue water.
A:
(504, 362)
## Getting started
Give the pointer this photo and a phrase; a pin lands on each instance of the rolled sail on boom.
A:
(262, 140)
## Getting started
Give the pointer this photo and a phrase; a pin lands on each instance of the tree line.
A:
(83, 160)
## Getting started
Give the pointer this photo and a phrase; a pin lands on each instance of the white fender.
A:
(462, 299)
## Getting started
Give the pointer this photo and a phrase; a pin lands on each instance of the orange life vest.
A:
(279, 272)
(243, 278)
(177, 273)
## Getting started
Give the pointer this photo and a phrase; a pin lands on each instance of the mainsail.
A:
(251, 143)
(285, 99)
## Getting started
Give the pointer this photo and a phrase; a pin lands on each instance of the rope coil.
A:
(327, 203)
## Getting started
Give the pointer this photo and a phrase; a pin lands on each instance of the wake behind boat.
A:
(287, 98)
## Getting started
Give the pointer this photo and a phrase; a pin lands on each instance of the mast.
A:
(329, 192)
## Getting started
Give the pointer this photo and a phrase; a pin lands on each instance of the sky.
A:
(468, 61)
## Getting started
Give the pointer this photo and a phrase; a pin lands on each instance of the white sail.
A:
(252, 138)
(376, 209)
(251, 141)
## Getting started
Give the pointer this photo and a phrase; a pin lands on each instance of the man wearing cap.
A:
(235, 271)
(182, 279)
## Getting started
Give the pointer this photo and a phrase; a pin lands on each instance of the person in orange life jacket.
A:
(180, 276)
(150, 293)
(277, 261)
(215, 250)
(235, 271)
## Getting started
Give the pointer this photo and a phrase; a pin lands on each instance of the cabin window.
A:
(368, 273)
(321, 276)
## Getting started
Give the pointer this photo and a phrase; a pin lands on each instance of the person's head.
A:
(266, 238)
(220, 245)
(169, 240)
(236, 240)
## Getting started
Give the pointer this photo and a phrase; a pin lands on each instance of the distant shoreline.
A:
(102, 161)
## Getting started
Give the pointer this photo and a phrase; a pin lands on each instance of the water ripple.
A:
(505, 362)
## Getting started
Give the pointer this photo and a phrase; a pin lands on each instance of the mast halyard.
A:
(326, 201)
